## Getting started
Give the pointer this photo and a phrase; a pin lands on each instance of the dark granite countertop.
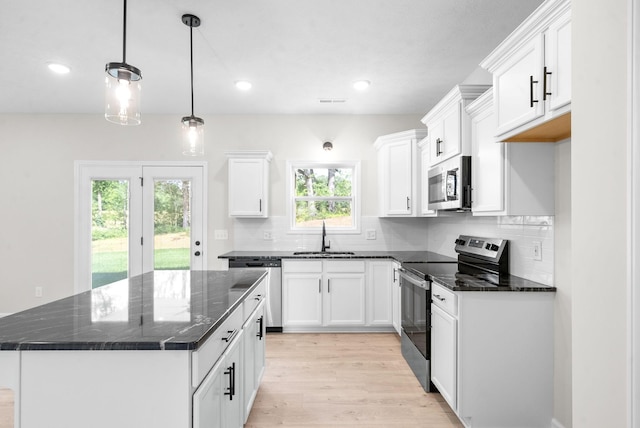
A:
(161, 310)
(454, 278)
(400, 256)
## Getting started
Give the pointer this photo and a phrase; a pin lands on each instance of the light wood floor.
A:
(6, 408)
(332, 380)
(343, 380)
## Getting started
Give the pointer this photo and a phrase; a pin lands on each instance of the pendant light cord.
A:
(124, 34)
(191, 44)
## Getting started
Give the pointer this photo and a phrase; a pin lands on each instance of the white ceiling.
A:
(295, 52)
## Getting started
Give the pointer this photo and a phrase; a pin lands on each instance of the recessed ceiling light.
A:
(361, 85)
(58, 68)
(243, 85)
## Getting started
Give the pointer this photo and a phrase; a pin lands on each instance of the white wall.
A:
(598, 214)
(37, 155)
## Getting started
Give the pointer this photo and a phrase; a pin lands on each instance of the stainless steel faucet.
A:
(325, 246)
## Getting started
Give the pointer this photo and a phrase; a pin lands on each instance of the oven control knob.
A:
(494, 247)
(488, 246)
(460, 242)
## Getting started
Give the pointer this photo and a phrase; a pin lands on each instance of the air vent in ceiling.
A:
(332, 100)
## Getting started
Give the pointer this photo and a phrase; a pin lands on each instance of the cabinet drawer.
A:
(205, 357)
(444, 299)
(355, 266)
(255, 298)
(306, 266)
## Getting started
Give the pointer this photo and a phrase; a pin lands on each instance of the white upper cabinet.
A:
(249, 183)
(448, 123)
(425, 164)
(507, 179)
(398, 173)
(532, 77)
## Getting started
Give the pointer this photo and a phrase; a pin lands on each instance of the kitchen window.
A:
(321, 191)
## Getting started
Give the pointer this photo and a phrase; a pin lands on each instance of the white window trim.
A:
(355, 189)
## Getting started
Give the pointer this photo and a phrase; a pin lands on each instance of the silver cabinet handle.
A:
(320, 285)
(328, 286)
(437, 296)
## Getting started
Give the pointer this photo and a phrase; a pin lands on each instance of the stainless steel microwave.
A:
(450, 184)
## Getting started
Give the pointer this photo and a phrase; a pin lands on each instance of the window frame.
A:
(293, 165)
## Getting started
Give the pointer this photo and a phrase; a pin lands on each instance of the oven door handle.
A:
(422, 283)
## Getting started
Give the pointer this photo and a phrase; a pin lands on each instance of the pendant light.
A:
(122, 90)
(192, 126)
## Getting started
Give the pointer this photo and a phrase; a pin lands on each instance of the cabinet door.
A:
(398, 165)
(425, 157)
(558, 62)
(344, 301)
(232, 403)
(247, 196)
(208, 398)
(487, 165)
(517, 86)
(379, 293)
(301, 300)
(444, 354)
(396, 299)
(248, 366)
(451, 122)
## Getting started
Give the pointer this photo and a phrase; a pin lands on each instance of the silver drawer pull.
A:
(437, 296)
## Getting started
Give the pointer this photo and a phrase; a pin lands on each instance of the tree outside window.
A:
(324, 192)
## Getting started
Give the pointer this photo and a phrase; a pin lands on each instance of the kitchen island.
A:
(139, 352)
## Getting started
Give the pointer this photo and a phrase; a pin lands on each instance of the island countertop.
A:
(160, 310)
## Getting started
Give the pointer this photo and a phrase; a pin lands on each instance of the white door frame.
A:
(93, 169)
(633, 215)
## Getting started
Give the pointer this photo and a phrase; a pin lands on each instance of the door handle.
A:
(531, 82)
(545, 73)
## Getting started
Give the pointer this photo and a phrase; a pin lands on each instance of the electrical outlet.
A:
(537, 250)
(267, 235)
(221, 234)
(38, 291)
(371, 234)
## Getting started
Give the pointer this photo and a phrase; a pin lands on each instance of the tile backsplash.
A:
(432, 234)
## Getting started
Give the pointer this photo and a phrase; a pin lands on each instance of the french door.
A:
(135, 218)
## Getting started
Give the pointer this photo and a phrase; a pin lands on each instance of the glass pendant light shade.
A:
(192, 136)
(122, 94)
(122, 86)
(192, 126)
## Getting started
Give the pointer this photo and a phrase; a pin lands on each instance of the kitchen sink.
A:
(323, 253)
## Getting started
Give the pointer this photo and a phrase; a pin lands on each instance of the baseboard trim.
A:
(556, 424)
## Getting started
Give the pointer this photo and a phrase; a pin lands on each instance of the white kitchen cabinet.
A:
(508, 179)
(448, 123)
(492, 356)
(398, 173)
(344, 299)
(396, 299)
(336, 295)
(218, 400)
(425, 164)
(253, 357)
(379, 294)
(249, 183)
(532, 77)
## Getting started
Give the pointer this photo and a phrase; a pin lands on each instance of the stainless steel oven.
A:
(416, 329)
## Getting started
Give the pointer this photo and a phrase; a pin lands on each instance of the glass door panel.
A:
(172, 218)
(109, 231)
(172, 224)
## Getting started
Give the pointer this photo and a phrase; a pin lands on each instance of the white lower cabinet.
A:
(253, 357)
(336, 295)
(396, 299)
(218, 400)
(444, 349)
(492, 356)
